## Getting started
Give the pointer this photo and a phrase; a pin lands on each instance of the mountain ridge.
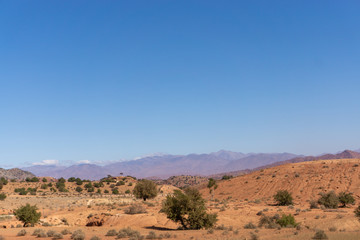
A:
(164, 166)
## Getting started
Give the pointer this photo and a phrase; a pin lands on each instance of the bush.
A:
(329, 200)
(21, 233)
(78, 189)
(128, 191)
(78, 235)
(283, 198)
(320, 234)
(36, 232)
(188, 208)
(226, 177)
(27, 214)
(78, 181)
(135, 209)
(2, 196)
(287, 221)
(58, 236)
(346, 198)
(250, 225)
(269, 222)
(145, 189)
(65, 232)
(128, 232)
(120, 183)
(313, 204)
(151, 235)
(111, 233)
(95, 238)
(39, 233)
(50, 233)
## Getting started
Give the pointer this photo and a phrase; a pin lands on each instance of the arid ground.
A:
(237, 201)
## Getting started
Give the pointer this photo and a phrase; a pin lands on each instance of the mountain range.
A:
(164, 166)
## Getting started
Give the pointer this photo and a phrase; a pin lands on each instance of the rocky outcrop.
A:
(15, 173)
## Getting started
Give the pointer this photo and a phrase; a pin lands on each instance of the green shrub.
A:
(145, 189)
(27, 214)
(2, 196)
(283, 198)
(188, 208)
(226, 177)
(287, 221)
(346, 198)
(329, 200)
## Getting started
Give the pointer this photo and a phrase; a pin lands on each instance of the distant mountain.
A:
(258, 160)
(164, 166)
(15, 173)
(83, 171)
(347, 154)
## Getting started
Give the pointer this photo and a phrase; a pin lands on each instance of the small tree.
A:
(283, 198)
(145, 189)
(329, 200)
(188, 208)
(346, 198)
(212, 185)
(27, 214)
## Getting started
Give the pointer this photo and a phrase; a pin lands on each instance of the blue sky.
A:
(110, 80)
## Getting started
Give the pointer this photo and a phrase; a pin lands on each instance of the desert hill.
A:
(305, 180)
(347, 154)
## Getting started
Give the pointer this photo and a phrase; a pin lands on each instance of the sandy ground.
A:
(237, 202)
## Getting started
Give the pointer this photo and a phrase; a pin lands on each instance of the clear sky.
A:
(108, 80)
